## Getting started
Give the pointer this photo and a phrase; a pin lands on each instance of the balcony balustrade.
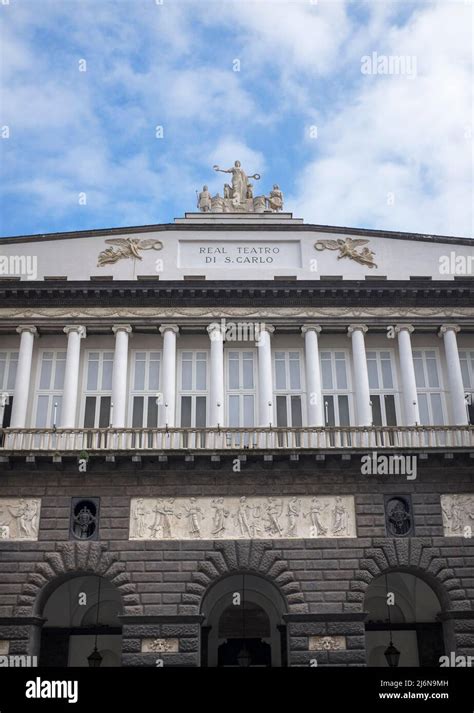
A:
(33, 440)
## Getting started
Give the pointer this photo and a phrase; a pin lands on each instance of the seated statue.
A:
(217, 204)
(259, 204)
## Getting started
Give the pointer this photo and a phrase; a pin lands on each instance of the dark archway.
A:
(412, 617)
(243, 623)
(80, 611)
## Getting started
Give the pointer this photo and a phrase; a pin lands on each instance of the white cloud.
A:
(171, 64)
(401, 136)
(94, 131)
(294, 34)
(206, 94)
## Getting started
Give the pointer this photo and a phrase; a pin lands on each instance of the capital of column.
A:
(214, 328)
(81, 331)
(400, 327)
(356, 327)
(263, 327)
(27, 328)
(310, 328)
(121, 328)
(169, 327)
(449, 328)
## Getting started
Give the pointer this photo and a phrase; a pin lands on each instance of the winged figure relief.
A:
(126, 248)
(349, 248)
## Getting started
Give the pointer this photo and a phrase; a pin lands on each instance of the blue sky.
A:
(81, 149)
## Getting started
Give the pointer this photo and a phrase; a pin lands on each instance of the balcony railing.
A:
(31, 440)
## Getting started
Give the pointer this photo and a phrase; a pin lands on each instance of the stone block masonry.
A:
(162, 582)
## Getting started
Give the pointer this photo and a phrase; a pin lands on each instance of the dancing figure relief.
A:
(19, 519)
(164, 512)
(241, 517)
(220, 516)
(340, 517)
(458, 514)
(194, 515)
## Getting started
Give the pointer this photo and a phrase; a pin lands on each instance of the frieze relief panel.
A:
(19, 518)
(242, 518)
(458, 515)
(349, 248)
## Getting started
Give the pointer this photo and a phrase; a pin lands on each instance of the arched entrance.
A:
(243, 623)
(411, 618)
(81, 612)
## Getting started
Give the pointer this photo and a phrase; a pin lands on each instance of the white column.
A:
(119, 375)
(169, 332)
(453, 365)
(71, 375)
(265, 376)
(407, 370)
(23, 374)
(361, 375)
(314, 399)
(217, 374)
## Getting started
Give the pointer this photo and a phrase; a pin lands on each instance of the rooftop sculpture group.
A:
(238, 196)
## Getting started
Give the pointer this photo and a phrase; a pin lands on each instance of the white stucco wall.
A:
(239, 254)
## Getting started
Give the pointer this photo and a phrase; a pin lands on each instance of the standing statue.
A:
(239, 180)
(204, 200)
(275, 201)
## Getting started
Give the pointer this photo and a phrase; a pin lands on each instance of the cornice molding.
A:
(248, 227)
(249, 294)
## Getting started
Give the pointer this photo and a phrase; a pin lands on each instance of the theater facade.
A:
(237, 439)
